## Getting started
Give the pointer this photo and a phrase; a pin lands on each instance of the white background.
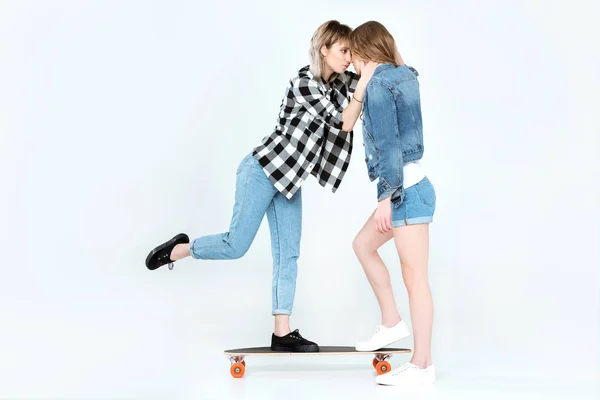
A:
(122, 123)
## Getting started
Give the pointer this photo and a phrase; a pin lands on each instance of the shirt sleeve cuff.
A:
(388, 193)
(335, 119)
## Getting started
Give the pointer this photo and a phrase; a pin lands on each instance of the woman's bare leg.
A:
(412, 243)
(365, 246)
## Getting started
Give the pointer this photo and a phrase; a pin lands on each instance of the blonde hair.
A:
(326, 35)
(373, 42)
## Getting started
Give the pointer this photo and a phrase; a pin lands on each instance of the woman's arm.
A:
(306, 93)
(384, 126)
(351, 113)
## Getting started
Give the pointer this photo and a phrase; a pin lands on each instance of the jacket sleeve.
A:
(306, 93)
(384, 124)
(352, 81)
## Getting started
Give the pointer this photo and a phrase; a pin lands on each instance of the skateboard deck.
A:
(380, 363)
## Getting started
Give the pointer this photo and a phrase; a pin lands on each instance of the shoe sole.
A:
(311, 348)
(407, 384)
(179, 239)
(381, 347)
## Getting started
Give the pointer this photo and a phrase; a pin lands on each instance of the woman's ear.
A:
(324, 51)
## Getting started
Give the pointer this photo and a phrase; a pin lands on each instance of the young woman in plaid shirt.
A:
(313, 136)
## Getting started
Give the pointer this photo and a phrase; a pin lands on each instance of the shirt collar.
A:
(382, 67)
(339, 80)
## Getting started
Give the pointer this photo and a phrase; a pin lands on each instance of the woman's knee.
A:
(357, 245)
(415, 279)
(237, 249)
(360, 245)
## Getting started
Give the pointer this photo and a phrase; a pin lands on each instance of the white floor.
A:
(184, 376)
(352, 378)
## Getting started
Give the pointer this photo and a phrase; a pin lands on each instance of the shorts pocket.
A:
(426, 192)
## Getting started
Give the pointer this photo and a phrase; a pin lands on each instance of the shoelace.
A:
(402, 369)
(376, 332)
(166, 257)
(296, 335)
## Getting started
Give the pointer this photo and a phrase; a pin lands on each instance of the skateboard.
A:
(380, 363)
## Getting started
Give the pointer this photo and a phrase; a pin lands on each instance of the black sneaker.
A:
(293, 342)
(161, 255)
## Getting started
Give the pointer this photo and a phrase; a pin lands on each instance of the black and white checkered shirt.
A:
(308, 137)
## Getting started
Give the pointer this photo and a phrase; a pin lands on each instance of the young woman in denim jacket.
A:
(393, 138)
(313, 136)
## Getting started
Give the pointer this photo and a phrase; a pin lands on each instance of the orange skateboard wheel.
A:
(383, 367)
(375, 362)
(237, 370)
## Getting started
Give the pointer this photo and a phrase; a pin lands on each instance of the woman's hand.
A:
(366, 72)
(383, 216)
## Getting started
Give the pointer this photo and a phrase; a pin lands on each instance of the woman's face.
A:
(337, 57)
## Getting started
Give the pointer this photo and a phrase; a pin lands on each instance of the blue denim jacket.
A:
(392, 127)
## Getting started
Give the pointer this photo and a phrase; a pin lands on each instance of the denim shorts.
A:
(417, 207)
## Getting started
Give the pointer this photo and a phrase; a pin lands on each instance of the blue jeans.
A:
(255, 195)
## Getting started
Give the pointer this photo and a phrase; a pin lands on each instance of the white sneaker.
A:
(408, 374)
(384, 336)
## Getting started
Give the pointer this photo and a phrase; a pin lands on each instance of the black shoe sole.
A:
(308, 348)
(179, 239)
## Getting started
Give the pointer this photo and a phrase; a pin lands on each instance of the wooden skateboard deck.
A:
(380, 363)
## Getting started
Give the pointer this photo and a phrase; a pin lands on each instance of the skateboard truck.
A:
(382, 356)
(235, 359)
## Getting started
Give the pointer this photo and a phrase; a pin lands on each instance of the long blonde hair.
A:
(326, 35)
(373, 42)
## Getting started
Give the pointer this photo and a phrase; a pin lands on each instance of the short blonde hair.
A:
(373, 42)
(326, 35)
